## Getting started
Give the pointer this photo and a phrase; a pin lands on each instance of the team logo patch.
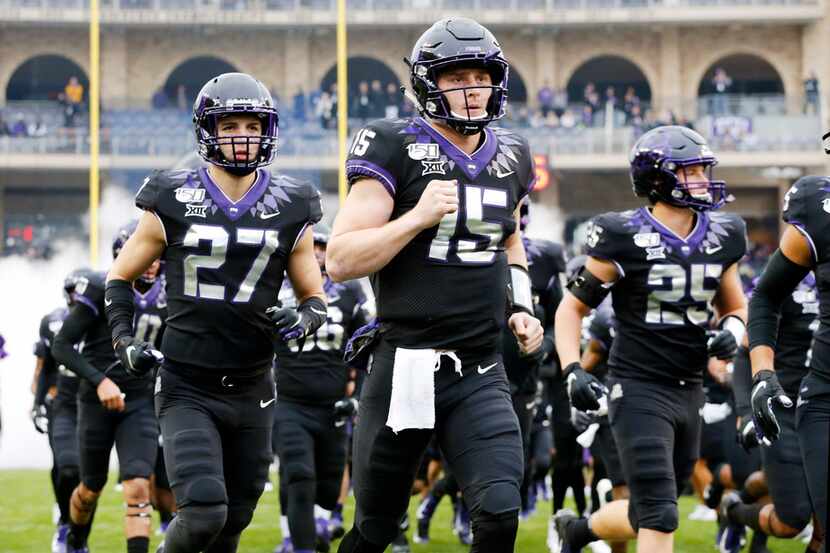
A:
(194, 210)
(434, 167)
(187, 195)
(419, 152)
(656, 253)
(647, 239)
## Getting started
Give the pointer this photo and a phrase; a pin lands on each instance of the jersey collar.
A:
(471, 165)
(683, 245)
(235, 210)
(149, 297)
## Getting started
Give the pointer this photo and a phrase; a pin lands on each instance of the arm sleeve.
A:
(80, 319)
(373, 155)
(742, 386)
(779, 279)
(42, 385)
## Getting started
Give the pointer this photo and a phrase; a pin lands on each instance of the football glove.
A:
(721, 344)
(584, 390)
(137, 357)
(580, 420)
(747, 436)
(40, 419)
(345, 408)
(766, 391)
(296, 324)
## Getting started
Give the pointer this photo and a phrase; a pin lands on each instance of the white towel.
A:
(412, 404)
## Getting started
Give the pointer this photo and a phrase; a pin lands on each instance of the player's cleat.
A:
(805, 535)
(336, 530)
(712, 495)
(160, 548)
(285, 547)
(59, 538)
(703, 513)
(424, 515)
(84, 549)
(558, 531)
(733, 536)
(462, 525)
(321, 526)
(599, 547)
(400, 544)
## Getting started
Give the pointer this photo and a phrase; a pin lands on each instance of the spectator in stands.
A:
(591, 97)
(181, 98)
(567, 121)
(629, 101)
(160, 99)
(635, 119)
(811, 106)
(326, 110)
(72, 97)
(393, 101)
(377, 100)
(560, 101)
(587, 115)
(38, 128)
(545, 99)
(4, 128)
(362, 107)
(721, 83)
(611, 103)
(298, 105)
(19, 129)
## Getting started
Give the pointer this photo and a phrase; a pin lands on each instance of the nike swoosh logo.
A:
(266, 216)
(107, 302)
(130, 350)
(760, 386)
(485, 369)
(710, 250)
(501, 175)
(264, 404)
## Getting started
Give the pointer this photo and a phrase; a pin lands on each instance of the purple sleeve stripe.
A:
(86, 301)
(800, 228)
(369, 169)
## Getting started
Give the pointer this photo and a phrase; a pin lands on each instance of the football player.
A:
(227, 233)
(151, 312)
(59, 418)
(315, 401)
(114, 407)
(432, 216)
(663, 264)
(545, 262)
(803, 247)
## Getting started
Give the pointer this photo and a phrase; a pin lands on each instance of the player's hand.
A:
(137, 357)
(721, 344)
(527, 330)
(747, 436)
(766, 391)
(439, 198)
(584, 390)
(39, 418)
(288, 322)
(580, 420)
(110, 395)
(345, 408)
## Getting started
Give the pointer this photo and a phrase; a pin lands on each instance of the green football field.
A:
(26, 523)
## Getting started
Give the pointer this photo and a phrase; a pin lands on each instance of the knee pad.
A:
(354, 542)
(206, 490)
(94, 482)
(499, 498)
(297, 471)
(660, 516)
(196, 526)
(495, 532)
(795, 515)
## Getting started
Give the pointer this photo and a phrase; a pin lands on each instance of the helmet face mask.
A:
(451, 44)
(235, 94)
(660, 155)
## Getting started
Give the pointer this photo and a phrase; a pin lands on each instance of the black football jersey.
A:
(225, 263)
(446, 289)
(601, 328)
(798, 322)
(150, 313)
(661, 299)
(96, 346)
(318, 375)
(545, 262)
(57, 374)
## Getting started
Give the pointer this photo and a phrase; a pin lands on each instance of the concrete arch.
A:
(699, 71)
(15, 58)
(576, 62)
(517, 90)
(362, 68)
(178, 59)
(193, 73)
(43, 77)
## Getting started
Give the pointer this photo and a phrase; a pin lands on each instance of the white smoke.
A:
(546, 222)
(29, 289)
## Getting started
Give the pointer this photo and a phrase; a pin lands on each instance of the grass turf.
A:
(26, 513)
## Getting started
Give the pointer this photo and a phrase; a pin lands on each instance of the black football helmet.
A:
(235, 93)
(659, 153)
(70, 282)
(451, 43)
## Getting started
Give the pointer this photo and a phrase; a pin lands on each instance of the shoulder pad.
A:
(375, 152)
(802, 196)
(286, 191)
(89, 290)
